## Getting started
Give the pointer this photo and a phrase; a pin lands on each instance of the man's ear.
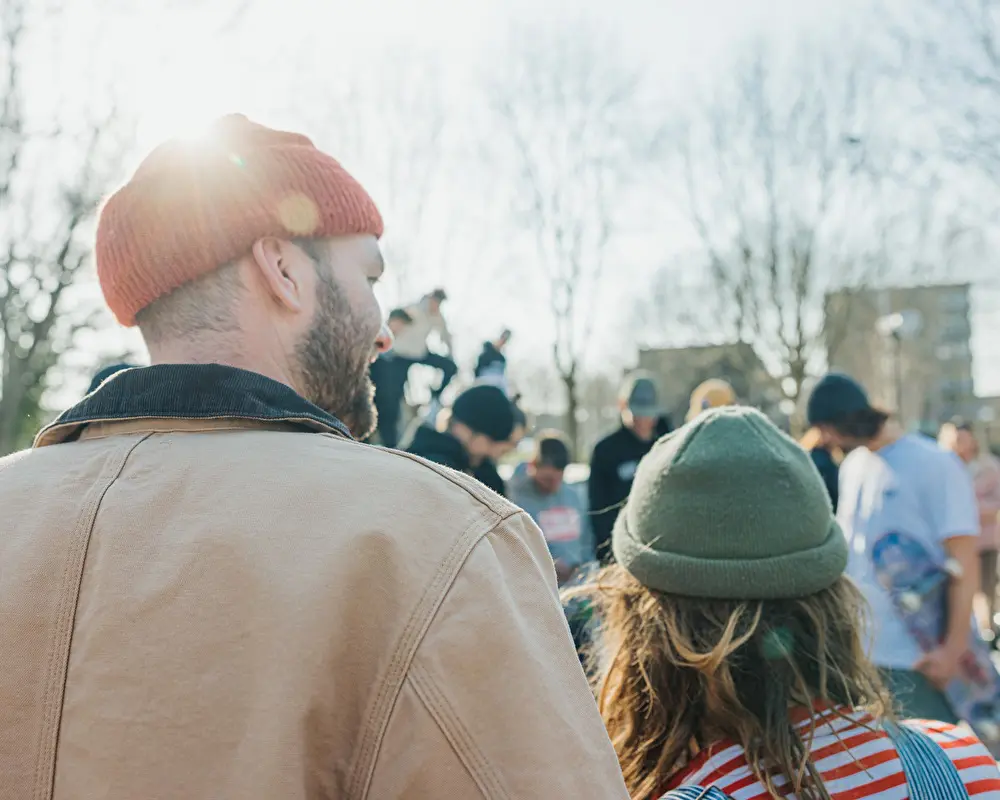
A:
(278, 263)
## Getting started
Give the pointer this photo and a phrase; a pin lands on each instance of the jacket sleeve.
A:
(600, 496)
(495, 703)
(442, 329)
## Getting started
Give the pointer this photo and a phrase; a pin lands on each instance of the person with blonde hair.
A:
(713, 393)
(729, 658)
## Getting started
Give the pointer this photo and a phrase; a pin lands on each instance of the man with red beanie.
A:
(210, 589)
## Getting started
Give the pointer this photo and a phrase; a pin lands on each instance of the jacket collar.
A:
(190, 391)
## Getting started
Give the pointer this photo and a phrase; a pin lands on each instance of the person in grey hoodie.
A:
(558, 509)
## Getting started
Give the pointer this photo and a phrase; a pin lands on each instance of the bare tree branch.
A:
(773, 163)
(48, 204)
(565, 117)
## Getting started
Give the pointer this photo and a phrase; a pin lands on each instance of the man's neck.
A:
(203, 353)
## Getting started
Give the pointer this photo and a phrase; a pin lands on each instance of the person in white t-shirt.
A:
(892, 481)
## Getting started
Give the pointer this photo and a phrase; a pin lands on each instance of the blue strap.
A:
(696, 793)
(930, 774)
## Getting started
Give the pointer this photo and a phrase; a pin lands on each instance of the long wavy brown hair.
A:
(675, 675)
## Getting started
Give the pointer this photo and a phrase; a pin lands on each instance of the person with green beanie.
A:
(730, 652)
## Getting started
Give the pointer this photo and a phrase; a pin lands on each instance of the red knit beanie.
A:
(194, 206)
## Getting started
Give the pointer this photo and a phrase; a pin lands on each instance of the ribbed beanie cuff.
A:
(790, 575)
(729, 507)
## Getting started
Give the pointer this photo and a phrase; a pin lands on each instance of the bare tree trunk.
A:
(569, 177)
(572, 412)
(45, 239)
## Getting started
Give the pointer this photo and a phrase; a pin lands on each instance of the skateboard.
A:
(917, 582)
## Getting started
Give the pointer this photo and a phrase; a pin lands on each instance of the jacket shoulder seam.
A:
(484, 497)
(380, 710)
(62, 639)
(458, 735)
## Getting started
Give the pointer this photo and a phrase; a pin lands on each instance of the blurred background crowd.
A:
(745, 191)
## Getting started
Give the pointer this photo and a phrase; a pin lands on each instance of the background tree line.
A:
(559, 185)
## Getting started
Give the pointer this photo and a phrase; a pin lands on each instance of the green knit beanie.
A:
(729, 507)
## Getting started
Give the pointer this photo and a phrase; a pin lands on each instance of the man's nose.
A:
(383, 342)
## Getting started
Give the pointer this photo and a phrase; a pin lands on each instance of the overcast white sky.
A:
(177, 66)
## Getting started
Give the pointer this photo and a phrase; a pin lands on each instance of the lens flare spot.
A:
(298, 214)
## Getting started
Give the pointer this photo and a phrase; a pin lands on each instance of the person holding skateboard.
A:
(896, 483)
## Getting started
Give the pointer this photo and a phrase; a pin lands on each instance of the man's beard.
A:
(333, 361)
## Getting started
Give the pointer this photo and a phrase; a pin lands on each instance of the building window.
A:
(954, 300)
(955, 390)
(955, 331)
(957, 351)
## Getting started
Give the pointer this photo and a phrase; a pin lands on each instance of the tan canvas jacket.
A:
(208, 590)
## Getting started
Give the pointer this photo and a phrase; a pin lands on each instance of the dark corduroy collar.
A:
(190, 391)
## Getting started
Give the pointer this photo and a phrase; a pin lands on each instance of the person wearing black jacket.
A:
(479, 426)
(822, 453)
(616, 457)
(388, 374)
(492, 363)
(486, 473)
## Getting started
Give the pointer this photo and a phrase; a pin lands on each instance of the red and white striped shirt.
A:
(855, 761)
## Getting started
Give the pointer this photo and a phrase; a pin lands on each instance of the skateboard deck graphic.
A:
(917, 582)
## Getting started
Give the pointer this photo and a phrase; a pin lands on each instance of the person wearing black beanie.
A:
(478, 428)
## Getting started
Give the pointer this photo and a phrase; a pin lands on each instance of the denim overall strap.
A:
(930, 774)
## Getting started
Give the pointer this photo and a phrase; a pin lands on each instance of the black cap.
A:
(641, 396)
(486, 410)
(836, 396)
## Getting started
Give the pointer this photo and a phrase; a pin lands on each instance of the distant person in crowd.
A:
(664, 425)
(730, 649)
(825, 457)
(520, 421)
(486, 472)
(559, 510)
(489, 476)
(491, 366)
(892, 481)
(984, 469)
(616, 457)
(713, 393)
(411, 348)
(388, 374)
(477, 428)
(103, 374)
(215, 590)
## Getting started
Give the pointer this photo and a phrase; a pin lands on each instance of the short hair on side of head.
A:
(205, 305)
(863, 424)
(312, 248)
(551, 450)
